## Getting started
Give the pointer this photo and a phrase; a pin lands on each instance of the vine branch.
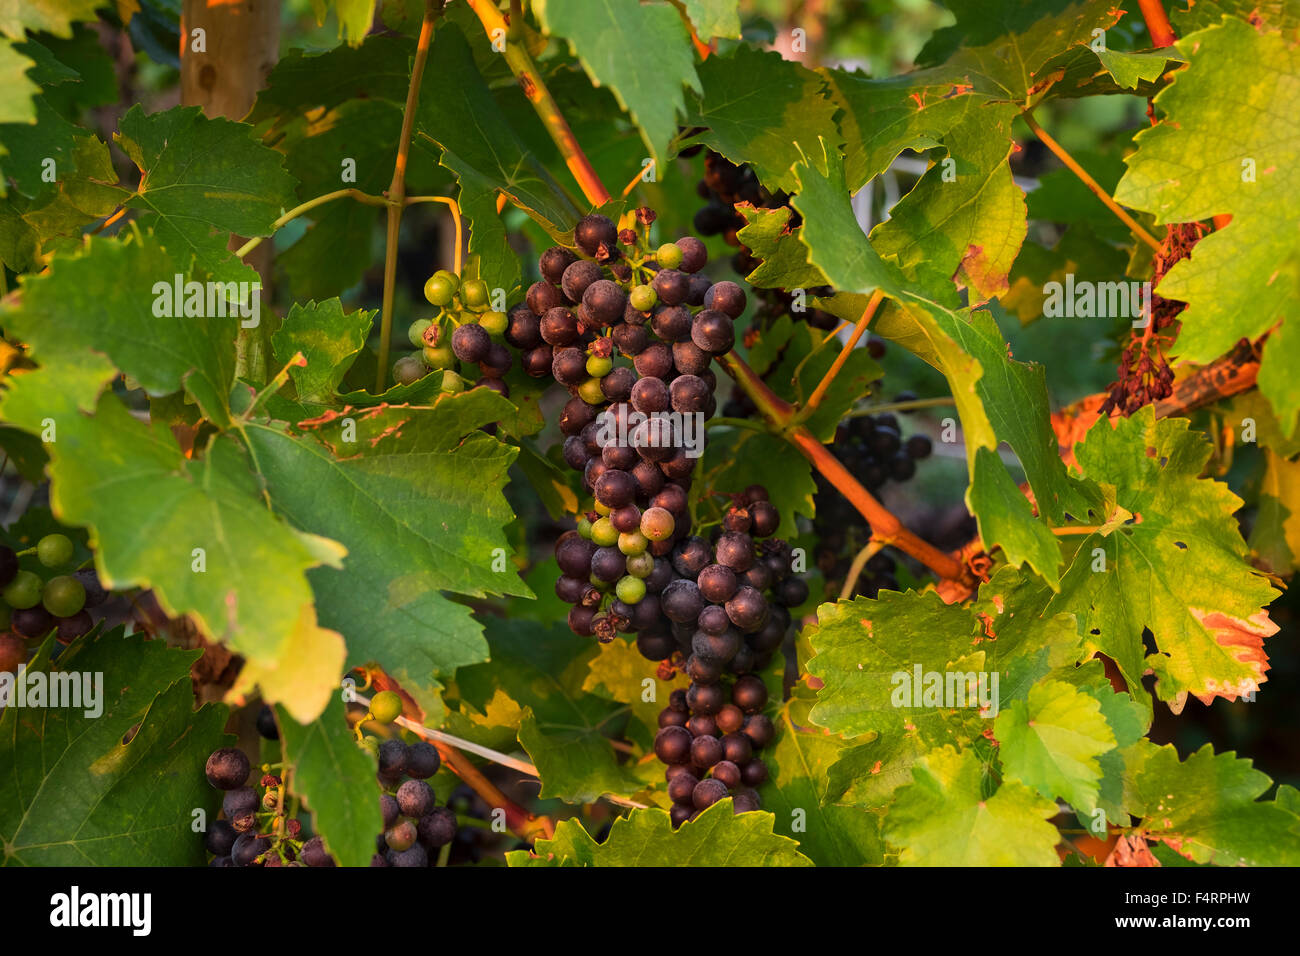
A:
(397, 188)
(1157, 21)
(1073, 166)
(824, 385)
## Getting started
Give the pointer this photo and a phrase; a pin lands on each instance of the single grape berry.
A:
(314, 853)
(247, 848)
(32, 622)
(672, 745)
(440, 289)
(577, 277)
(227, 768)
(713, 332)
(408, 369)
(554, 261)
(689, 394)
(735, 550)
(643, 298)
(615, 488)
(705, 698)
(919, 446)
(759, 729)
(523, 329)
(669, 255)
(657, 524)
(386, 706)
(266, 725)
(594, 231)
(726, 297)
(672, 287)
(54, 550)
(649, 396)
(415, 797)
(392, 757)
(672, 323)
(23, 590)
(604, 301)
(220, 838)
(717, 583)
(388, 809)
(471, 342)
(437, 827)
(238, 801)
(402, 836)
(694, 254)
(708, 792)
(681, 601)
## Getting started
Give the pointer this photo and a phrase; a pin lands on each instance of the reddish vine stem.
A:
(397, 188)
(824, 385)
(1157, 21)
(534, 87)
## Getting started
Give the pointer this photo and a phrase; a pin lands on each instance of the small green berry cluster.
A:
(35, 604)
(462, 339)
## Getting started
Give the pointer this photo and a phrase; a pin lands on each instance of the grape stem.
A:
(908, 406)
(454, 208)
(885, 526)
(1162, 32)
(869, 551)
(824, 385)
(1073, 166)
(397, 189)
(534, 87)
(307, 206)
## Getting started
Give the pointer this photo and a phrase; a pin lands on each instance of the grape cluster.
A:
(725, 184)
(873, 449)
(34, 605)
(726, 608)
(463, 339)
(255, 831)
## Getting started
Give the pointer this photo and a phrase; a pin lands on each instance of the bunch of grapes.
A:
(726, 605)
(255, 831)
(873, 449)
(35, 605)
(463, 339)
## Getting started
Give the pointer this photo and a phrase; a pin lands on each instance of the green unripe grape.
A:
(23, 591)
(630, 590)
(600, 509)
(598, 584)
(590, 392)
(452, 383)
(408, 369)
(633, 542)
(584, 527)
(640, 565)
(439, 356)
(415, 332)
(604, 533)
(474, 293)
(63, 596)
(669, 255)
(440, 289)
(54, 550)
(386, 706)
(644, 298)
(599, 366)
(494, 322)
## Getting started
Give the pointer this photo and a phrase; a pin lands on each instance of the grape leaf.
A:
(575, 766)
(609, 38)
(87, 190)
(785, 263)
(73, 794)
(798, 762)
(762, 109)
(423, 514)
(806, 357)
(1275, 536)
(478, 144)
(44, 16)
(355, 17)
(97, 303)
(714, 18)
(1209, 642)
(202, 179)
(1206, 808)
(1227, 147)
(29, 151)
(328, 339)
(327, 764)
(945, 818)
(16, 104)
(378, 69)
(619, 672)
(717, 837)
(1192, 16)
(1051, 743)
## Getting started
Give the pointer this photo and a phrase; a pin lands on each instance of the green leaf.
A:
(610, 37)
(945, 818)
(1224, 148)
(717, 837)
(16, 104)
(202, 180)
(98, 303)
(714, 18)
(44, 16)
(378, 69)
(768, 236)
(30, 151)
(1051, 743)
(1209, 641)
(806, 356)
(1206, 808)
(619, 673)
(87, 190)
(763, 110)
(415, 495)
(73, 794)
(1275, 536)
(327, 764)
(478, 144)
(355, 17)
(799, 761)
(576, 766)
(328, 338)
